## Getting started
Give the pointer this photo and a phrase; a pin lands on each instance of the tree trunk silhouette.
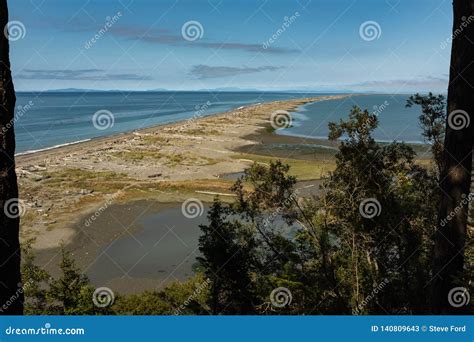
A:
(11, 296)
(457, 161)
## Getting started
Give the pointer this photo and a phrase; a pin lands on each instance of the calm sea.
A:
(45, 120)
(395, 121)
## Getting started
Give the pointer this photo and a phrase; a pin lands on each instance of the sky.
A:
(389, 46)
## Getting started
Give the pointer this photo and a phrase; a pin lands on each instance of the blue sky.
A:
(322, 47)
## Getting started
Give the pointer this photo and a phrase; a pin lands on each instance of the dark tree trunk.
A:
(11, 296)
(457, 161)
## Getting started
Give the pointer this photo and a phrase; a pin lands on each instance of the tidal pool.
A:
(161, 249)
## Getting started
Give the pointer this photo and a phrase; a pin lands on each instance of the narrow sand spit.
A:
(58, 187)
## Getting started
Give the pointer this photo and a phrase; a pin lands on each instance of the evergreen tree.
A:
(227, 249)
(71, 293)
(35, 283)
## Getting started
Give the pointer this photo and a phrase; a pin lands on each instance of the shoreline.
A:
(24, 156)
(149, 170)
(24, 153)
(58, 186)
(20, 155)
(155, 126)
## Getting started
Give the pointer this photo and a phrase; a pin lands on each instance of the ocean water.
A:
(396, 122)
(48, 119)
(45, 120)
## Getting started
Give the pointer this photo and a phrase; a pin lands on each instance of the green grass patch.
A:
(302, 169)
(103, 181)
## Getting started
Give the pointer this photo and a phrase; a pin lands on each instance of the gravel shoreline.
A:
(165, 163)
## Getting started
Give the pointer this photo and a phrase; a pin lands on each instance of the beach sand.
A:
(91, 195)
(167, 163)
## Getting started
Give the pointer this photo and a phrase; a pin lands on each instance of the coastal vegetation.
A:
(384, 232)
(363, 245)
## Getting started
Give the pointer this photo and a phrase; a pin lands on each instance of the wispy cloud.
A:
(167, 37)
(246, 47)
(202, 71)
(78, 75)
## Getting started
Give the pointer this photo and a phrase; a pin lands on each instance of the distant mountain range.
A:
(224, 89)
